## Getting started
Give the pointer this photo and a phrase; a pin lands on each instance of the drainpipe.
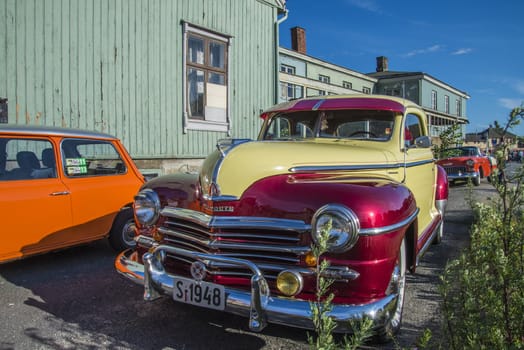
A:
(277, 68)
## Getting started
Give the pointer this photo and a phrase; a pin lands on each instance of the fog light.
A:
(310, 259)
(289, 283)
(157, 236)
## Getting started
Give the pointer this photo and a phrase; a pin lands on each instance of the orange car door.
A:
(100, 185)
(36, 210)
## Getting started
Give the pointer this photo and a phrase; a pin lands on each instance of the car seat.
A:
(49, 162)
(27, 163)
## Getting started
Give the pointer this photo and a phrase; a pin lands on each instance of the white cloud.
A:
(509, 102)
(462, 51)
(430, 49)
(369, 5)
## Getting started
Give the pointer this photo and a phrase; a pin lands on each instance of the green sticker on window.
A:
(76, 170)
(75, 161)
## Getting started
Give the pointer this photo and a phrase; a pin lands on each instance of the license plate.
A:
(199, 293)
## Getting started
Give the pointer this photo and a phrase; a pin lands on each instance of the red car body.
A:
(467, 163)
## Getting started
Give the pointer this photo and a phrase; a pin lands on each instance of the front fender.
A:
(377, 202)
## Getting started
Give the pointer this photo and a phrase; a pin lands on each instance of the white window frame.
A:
(285, 68)
(458, 107)
(347, 85)
(205, 125)
(366, 90)
(434, 100)
(446, 104)
(285, 87)
(324, 78)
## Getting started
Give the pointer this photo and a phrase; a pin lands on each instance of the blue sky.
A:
(475, 46)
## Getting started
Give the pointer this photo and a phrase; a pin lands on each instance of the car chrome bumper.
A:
(463, 176)
(258, 304)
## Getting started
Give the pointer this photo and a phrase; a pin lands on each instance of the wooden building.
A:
(169, 78)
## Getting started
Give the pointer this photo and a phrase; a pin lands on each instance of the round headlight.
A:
(147, 207)
(289, 283)
(344, 230)
(470, 162)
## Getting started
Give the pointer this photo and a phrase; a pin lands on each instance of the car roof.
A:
(52, 131)
(333, 102)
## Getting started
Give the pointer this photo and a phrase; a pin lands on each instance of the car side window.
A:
(26, 159)
(284, 128)
(82, 157)
(412, 129)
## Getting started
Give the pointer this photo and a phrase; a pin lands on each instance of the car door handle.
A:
(61, 193)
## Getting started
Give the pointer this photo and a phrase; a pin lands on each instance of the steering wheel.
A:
(363, 132)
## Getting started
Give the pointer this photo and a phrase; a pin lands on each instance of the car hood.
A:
(231, 171)
(455, 160)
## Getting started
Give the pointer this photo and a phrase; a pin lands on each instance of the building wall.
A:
(427, 87)
(408, 88)
(307, 70)
(116, 66)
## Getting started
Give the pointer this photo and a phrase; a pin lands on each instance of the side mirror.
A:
(422, 142)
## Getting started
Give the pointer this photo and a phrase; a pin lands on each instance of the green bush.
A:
(483, 289)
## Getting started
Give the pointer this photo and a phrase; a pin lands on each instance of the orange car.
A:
(467, 163)
(62, 187)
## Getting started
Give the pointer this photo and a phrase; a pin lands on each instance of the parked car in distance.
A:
(467, 163)
(62, 187)
(238, 236)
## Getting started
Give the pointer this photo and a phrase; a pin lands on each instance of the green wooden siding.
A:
(116, 66)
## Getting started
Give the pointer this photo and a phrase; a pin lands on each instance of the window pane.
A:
(23, 159)
(217, 55)
(195, 81)
(215, 78)
(196, 50)
(91, 158)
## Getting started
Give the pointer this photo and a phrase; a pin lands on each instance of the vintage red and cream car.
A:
(238, 236)
(467, 163)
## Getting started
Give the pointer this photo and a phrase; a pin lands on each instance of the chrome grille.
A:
(273, 244)
(455, 170)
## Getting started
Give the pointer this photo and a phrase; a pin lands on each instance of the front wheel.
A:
(397, 285)
(476, 179)
(122, 233)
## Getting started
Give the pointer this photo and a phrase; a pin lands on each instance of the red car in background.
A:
(467, 163)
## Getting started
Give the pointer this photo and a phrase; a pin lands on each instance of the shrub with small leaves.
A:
(483, 289)
(323, 323)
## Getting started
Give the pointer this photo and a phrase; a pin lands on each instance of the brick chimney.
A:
(298, 39)
(382, 64)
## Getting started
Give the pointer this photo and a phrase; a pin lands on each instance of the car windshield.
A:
(460, 152)
(339, 124)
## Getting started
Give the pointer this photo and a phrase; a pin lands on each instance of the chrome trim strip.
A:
(297, 250)
(314, 168)
(429, 241)
(465, 175)
(318, 104)
(235, 221)
(256, 236)
(256, 304)
(335, 272)
(420, 162)
(386, 229)
(218, 244)
(244, 222)
(221, 198)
